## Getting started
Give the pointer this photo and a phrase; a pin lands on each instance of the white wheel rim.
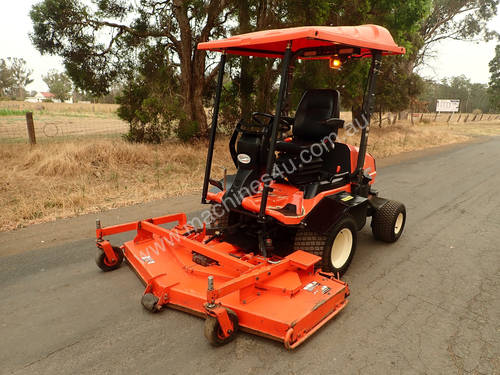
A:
(341, 248)
(399, 223)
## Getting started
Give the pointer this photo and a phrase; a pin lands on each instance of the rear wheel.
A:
(389, 221)
(335, 249)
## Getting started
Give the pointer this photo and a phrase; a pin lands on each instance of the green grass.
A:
(12, 112)
(22, 112)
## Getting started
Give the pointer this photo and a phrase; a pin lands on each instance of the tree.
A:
(453, 19)
(149, 101)
(14, 77)
(472, 96)
(6, 78)
(257, 76)
(59, 85)
(494, 84)
(77, 32)
(397, 84)
(21, 76)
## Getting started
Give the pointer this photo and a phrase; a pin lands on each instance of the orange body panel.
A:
(284, 299)
(369, 165)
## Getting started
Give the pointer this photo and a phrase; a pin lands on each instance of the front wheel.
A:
(335, 248)
(340, 246)
(388, 222)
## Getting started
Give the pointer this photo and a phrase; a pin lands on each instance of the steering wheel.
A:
(285, 123)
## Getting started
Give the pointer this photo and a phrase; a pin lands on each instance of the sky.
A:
(452, 57)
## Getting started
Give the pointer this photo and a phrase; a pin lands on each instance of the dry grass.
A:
(60, 180)
(395, 139)
(55, 180)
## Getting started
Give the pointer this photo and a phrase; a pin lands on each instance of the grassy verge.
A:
(12, 112)
(54, 180)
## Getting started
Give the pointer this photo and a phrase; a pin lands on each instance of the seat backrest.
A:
(316, 106)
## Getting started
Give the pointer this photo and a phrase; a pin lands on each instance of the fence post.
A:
(31, 128)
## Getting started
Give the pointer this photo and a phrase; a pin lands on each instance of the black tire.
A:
(310, 241)
(322, 245)
(150, 302)
(213, 329)
(104, 264)
(385, 224)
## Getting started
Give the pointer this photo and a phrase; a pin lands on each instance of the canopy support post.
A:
(213, 129)
(274, 130)
(368, 103)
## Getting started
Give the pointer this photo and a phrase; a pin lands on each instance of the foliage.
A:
(397, 84)
(229, 108)
(59, 84)
(14, 77)
(149, 101)
(454, 19)
(494, 85)
(6, 78)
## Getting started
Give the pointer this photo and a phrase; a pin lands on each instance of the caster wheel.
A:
(104, 264)
(150, 302)
(213, 331)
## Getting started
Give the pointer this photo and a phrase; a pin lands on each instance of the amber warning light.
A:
(335, 62)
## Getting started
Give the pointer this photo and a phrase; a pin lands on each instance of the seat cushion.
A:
(291, 147)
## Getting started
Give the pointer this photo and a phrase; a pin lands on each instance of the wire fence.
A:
(430, 118)
(59, 121)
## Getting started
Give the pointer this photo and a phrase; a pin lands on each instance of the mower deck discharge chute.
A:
(285, 225)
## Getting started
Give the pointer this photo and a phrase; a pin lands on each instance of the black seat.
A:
(315, 108)
(317, 117)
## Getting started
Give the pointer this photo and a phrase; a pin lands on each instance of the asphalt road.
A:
(429, 303)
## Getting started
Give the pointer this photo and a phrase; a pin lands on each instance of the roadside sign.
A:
(448, 105)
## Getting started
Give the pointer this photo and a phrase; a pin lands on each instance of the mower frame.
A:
(286, 297)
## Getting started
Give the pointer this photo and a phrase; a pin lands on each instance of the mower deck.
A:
(281, 298)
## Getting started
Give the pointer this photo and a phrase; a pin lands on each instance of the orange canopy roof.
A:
(272, 43)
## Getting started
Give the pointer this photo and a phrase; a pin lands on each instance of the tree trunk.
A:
(192, 69)
(264, 85)
(246, 79)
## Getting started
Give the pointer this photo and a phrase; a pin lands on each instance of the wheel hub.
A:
(341, 248)
(399, 223)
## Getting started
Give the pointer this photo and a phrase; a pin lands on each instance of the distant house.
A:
(44, 96)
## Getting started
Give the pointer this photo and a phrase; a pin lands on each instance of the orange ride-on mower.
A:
(282, 229)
